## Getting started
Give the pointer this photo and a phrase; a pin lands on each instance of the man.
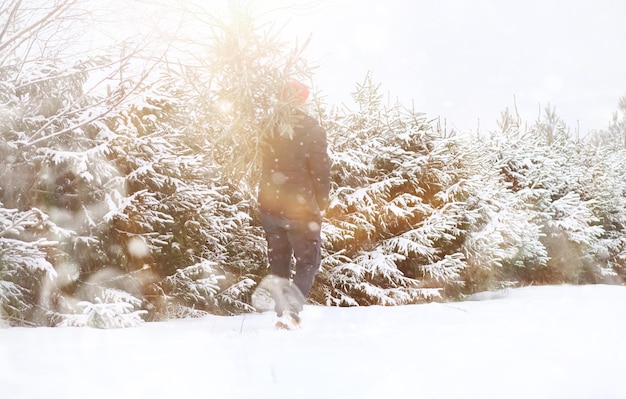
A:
(293, 195)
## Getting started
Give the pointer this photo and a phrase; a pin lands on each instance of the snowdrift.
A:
(535, 342)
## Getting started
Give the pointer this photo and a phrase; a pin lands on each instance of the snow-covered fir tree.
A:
(138, 202)
(604, 154)
(399, 205)
(555, 187)
(177, 204)
(53, 169)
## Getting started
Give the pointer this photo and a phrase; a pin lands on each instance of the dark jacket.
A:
(295, 180)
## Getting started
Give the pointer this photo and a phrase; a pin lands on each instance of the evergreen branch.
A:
(20, 321)
(20, 221)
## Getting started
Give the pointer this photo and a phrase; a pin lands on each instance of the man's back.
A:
(295, 179)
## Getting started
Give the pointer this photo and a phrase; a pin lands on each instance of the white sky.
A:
(469, 60)
(465, 61)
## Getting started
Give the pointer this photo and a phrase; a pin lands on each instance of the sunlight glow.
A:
(225, 106)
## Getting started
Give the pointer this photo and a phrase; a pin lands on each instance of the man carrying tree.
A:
(293, 195)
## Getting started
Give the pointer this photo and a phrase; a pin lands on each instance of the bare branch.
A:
(110, 108)
(11, 17)
(47, 19)
(71, 72)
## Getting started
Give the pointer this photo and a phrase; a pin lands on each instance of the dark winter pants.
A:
(287, 237)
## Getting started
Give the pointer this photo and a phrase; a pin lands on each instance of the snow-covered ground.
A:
(536, 342)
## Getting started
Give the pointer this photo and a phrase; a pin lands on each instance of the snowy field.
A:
(536, 342)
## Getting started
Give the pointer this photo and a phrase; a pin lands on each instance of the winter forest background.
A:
(128, 177)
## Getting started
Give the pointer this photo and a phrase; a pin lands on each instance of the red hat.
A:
(296, 91)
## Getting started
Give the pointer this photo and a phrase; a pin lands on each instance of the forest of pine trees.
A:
(138, 202)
